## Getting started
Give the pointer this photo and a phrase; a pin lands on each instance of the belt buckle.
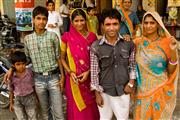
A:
(45, 73)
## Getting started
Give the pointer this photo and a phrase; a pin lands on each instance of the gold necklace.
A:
(85, 33)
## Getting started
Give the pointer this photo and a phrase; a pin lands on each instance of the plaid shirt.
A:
(43, 50)
(95, 65)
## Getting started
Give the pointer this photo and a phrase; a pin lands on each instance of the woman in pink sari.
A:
(75, 58)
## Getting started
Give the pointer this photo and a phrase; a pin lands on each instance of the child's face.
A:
(40, 22)
(20, 67)
(91, 12)
(50, 7)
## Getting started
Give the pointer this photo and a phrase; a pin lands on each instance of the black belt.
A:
(49, 72)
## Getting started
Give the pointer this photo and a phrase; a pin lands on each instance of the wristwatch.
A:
(130, 85)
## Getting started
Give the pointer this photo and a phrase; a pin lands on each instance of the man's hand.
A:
(7, 76)
(61, 83)
(127, 37)
(51, 26)
(128, 89)
(99, 99)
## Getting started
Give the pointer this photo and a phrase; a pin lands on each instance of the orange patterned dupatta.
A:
(156, 89)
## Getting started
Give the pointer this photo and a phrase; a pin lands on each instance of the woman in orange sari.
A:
(130, 22)
(81, 104)
(157, 70)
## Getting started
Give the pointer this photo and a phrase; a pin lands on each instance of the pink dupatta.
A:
(79, 48)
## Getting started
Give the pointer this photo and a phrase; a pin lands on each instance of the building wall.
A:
(105, 4)
(9, 4)
(40, 2)
(1, 7)
(134, 5)
(161, 7)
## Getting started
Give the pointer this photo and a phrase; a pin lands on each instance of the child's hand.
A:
(36, 99)
(37, 103)
(11, 109)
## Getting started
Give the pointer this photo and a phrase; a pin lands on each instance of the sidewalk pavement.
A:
(6, 115)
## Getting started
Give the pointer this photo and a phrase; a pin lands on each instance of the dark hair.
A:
(40, 10)
(64, 1)
(111, 13)
(50, 1)
(89, 9)
(123, 0)
(18, 56)
(78, 12)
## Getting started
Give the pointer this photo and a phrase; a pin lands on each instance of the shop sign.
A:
(23, 9)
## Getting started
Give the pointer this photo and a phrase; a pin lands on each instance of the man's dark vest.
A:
(114, 65)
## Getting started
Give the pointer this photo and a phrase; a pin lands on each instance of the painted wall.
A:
(9, 4)
(134, 5)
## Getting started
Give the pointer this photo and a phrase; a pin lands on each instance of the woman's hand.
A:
(74, 77)
(173, 60)
(83, 76)
(173, 44)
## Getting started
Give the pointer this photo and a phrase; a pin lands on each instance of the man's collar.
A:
(104, 40)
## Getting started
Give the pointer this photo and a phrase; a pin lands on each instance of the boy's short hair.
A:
(89, 9)
(111, 13)
(18, 56)
(40, 10)
(50, 1)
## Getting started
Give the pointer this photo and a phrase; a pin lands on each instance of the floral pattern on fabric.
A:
(158, 65)
(155, 98)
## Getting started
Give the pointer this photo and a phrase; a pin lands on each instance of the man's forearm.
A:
(61, 68)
